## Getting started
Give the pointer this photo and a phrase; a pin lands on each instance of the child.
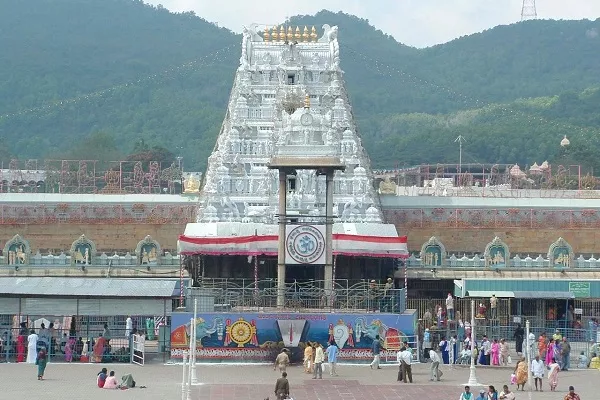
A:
(583, 361)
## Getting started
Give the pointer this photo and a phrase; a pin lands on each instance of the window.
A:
(291, 184)
(291, 79)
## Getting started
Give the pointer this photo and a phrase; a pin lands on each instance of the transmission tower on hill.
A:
(528, 11)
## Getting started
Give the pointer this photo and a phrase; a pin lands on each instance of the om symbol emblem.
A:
(305, 244)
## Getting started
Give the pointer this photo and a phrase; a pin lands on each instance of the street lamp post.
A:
(472, 370)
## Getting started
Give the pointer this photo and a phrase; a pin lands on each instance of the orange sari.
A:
(98, 351)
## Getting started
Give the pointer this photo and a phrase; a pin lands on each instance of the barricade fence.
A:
(230, 295)
(82, 338)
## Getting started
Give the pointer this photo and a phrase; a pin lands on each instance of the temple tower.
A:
(288, 96)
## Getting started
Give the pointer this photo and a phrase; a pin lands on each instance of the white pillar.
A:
(527, 328)
(472, 370)
(281, 239)
(328, 273)
(184, 378)
(194, 379)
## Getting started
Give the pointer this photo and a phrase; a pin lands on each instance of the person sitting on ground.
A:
(583, 361)
(127, 382)
(111, 381)
(595, 362)
(101, 379)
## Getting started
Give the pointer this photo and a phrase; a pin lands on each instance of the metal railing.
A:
(247, 295)
(77, 343)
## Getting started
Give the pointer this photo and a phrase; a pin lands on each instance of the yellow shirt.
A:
(595, 363)
(308, 353)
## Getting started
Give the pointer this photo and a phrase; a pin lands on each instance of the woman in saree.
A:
(41, 361)
(504, 352)
(521, 373)
(553, 375)
(595, 361)
(549, 353)
(69, 347)
(495, 352)
(98, 351)
(21, 347)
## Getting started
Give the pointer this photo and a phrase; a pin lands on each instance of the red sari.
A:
(21, 348)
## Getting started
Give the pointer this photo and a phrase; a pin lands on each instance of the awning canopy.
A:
(520, 295)
(232, 238)
(544, 295)
(88, 287)
(488, 293)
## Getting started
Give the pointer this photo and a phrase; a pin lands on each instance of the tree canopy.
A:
(77, 76)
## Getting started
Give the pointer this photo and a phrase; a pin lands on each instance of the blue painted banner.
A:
(260, 336)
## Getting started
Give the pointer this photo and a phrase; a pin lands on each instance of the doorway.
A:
(303, 273)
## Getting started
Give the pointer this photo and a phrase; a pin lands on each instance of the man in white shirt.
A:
(493, 306)
(404, 357)
(450, 307)
(435, 365)
(537, 370)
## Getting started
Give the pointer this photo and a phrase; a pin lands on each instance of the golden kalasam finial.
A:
(266, 35)
(305, 35)
(313, 34)
(290, 34)
(282, 33)
(307, 101)
(274, 34)
(298, 35)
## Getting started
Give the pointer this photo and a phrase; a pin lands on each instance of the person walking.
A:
(566, 354)
(376, 349)
(518, 336)
(319, 358)
(308, 359)
(435, 365)
(282, 387)
(537, 370)
(332, 352)
(32, 342)
(41, 361)
(405, 363)
(282, 361)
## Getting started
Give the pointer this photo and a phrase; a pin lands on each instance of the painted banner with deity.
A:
(260, 336)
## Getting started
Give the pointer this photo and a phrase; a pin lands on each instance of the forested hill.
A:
(94, 79)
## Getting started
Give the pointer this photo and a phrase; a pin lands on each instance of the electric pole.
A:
(528, 11)
(460, 139)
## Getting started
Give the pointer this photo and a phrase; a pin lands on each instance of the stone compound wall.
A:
(107, 237)
(522, 241)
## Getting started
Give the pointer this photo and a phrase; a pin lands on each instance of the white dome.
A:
(210, 210)
(360, 171)
(565, 142)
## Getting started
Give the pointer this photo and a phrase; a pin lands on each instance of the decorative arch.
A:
(83, 251)
(560, 254)
(17, 251)
(148, 252)
(433, 253)
(496, 254)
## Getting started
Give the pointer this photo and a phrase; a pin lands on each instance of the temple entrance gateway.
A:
(289, 159)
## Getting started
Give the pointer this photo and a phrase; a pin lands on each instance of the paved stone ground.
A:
(256, 382)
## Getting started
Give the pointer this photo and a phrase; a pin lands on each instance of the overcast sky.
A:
(417, 23)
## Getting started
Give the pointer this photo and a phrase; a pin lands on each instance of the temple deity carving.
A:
(288, 98)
